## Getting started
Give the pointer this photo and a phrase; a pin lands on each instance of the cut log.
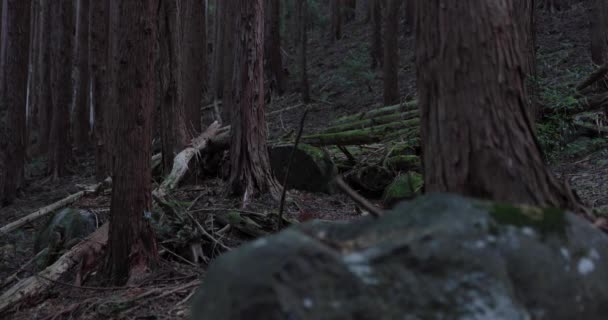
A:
(39, 283)
(52, 207)
(411, 116)
(182, 159)
(399, 108)
(363, 136)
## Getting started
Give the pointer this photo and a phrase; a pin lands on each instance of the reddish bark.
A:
(15, 47)
(132, 248)
(249, 162)
(476, 135)
(193, 61)
(62, 25)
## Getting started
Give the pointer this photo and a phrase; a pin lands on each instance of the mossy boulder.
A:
(312, 168)
(405, 186)
(62, 231)
(439, 256)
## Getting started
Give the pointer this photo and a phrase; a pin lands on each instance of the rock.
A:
(437, 257)
(62, 231)
(405, 186)
(312, 168)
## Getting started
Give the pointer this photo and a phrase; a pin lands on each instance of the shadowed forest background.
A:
(303, 159)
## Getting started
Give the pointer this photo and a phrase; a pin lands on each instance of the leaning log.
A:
(593, 77)
(402, 129)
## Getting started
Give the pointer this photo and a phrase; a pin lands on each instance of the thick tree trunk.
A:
(350, 10)
(302, 13)
(132, 246)
(174, 127)
(477, 138)
(15, 48)
(193, 61)
(43, 93)
(81, 109)
(391, 53)
(523, 12)
(62, 25)
(32, 84)
(376, 52)
(598, 28)
(249, 163)
(335, 11)
(98, 65)
(224, 53)
(272, 46)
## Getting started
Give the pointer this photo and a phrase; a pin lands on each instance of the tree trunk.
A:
(523, 12)
(62, 25)
(302, 14)
(350, 10)
(224, 52)
(476, 135)
(272, 46)
(34, 49)
(132, 246)
(249, 163)
(98, 65)
(174, 129)
(43, 70)
(376, 52)
(193, 62)
(598, 12)
(81, 108)
(336, 20)
(15, 48)
(391, 53)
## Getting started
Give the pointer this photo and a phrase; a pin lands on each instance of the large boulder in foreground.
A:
(437, 257)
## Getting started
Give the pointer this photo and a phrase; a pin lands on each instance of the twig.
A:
(202, 229)
(179, 257)
(85, 287)
(293, 152)
(364, 203)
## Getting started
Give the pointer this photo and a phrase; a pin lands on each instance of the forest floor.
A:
(341, 84)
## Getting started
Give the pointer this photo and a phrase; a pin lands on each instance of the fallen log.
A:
(593, 77)
(182, 159)
(363, 136)
(52, 207)
(408, 106)
(39, 283)
(380, 120)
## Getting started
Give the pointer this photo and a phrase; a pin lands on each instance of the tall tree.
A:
(335, 11)
(524, 14)
(81, 110)
(249, 162)
(132, 246)
(475, 127)
(193, 62)
(376, 52)
(302, 14)
(391, 53)
(598, 28)
(98, 68)
(272, 46)
(223, 53)
(62, 26)
(43, 75)
(15, 37)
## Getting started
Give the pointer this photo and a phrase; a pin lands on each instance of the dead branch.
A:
(360, 200)
(593, 77)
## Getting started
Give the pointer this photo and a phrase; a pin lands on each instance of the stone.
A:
(439, 256)
(312, 168)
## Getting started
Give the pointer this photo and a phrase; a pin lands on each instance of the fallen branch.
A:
(38, 284)
(181, 160)
(364, 203)
(51, 208)
(408, 106)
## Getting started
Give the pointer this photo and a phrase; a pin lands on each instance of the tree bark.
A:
(81, 109)
(249, 162)
(336, 20)
(598, 28)
(391, 53)
(62, 25)
(98, 65)
(272, 46)
(302, 14)
(193, 61)
(477, 138)
(524, 12)
(43, 93)
(132, 246)
(376, 34)
(15, 58)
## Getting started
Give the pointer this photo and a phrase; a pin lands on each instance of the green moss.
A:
(405, 162)
(544, 220)
(316, 153)
(405, 186)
